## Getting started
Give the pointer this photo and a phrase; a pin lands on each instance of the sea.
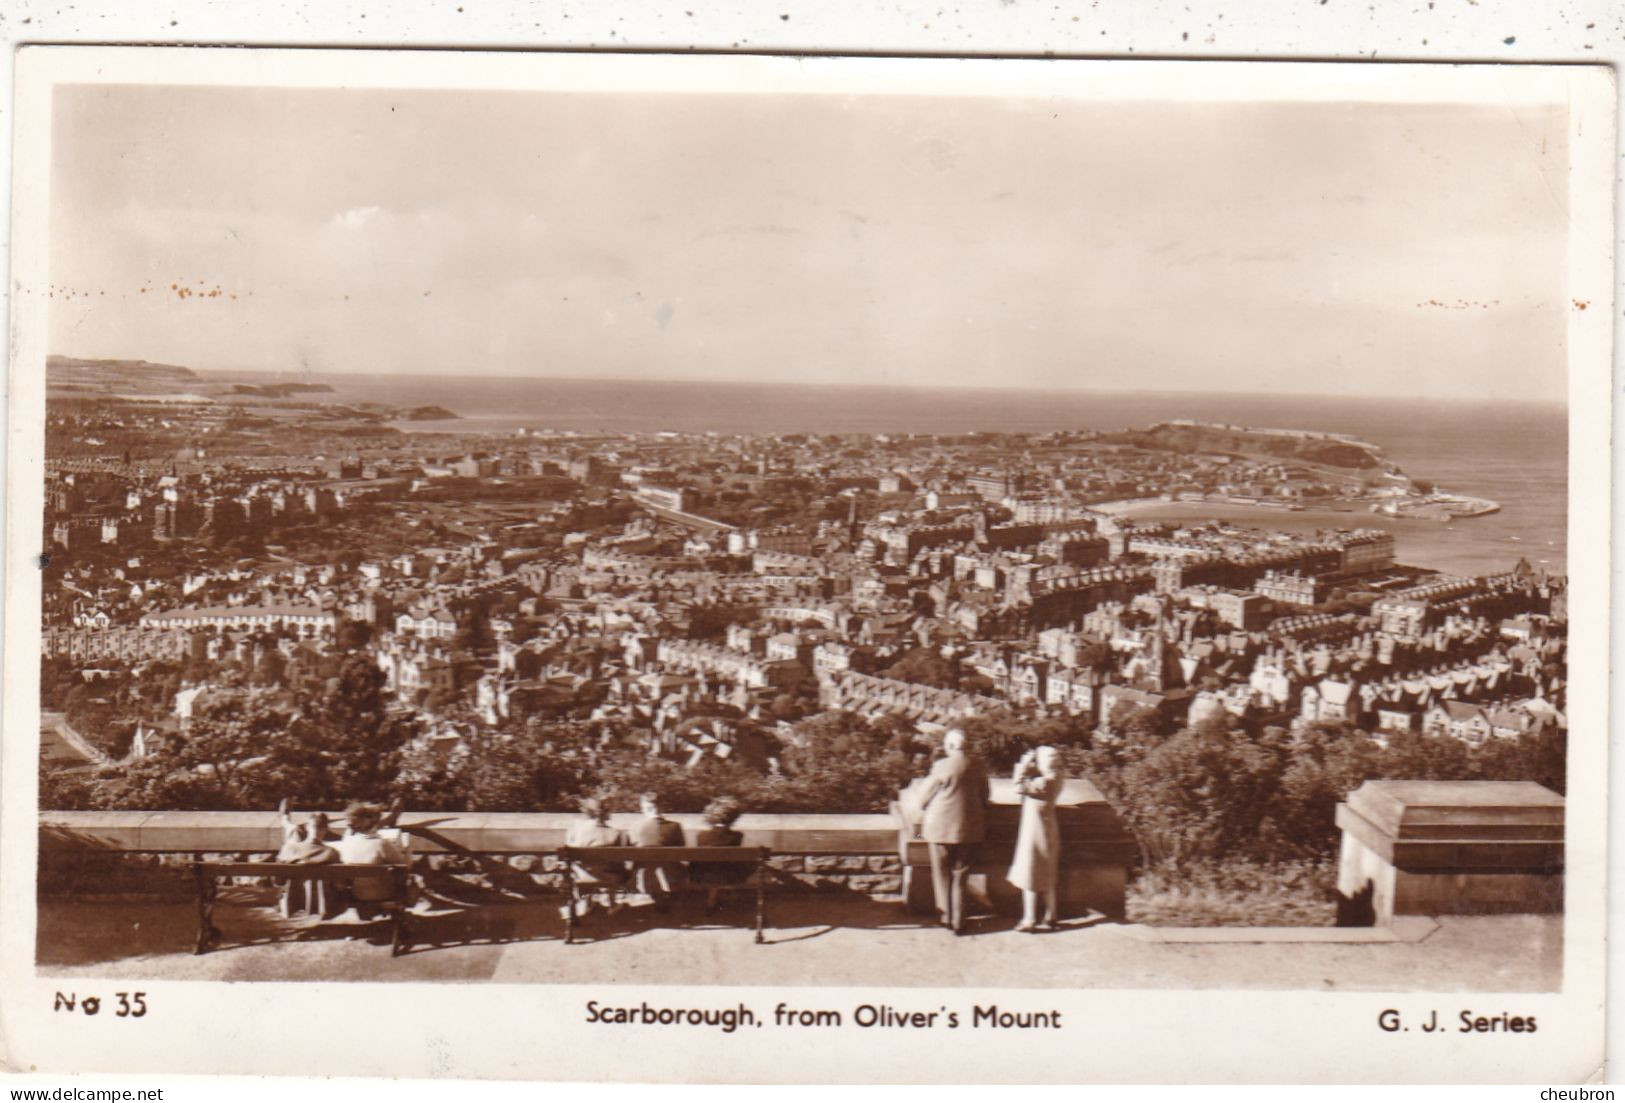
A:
(1515, 453)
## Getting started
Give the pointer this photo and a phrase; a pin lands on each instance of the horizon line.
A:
(857, 383)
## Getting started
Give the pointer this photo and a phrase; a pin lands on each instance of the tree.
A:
(1001, 738)
(68, 791)
(348, 739)
(58, 678)
(621, 776)
(1323, 767)
(534, 766)
(158, 685)
(1429, 757)
(518, 771)
(925, 666)
(1097, 656)
(354, 635)
(196, 669)
(99, 713)
(1140, 725)
(979, 684)
(1540, 756)
(246, 750)
(218, 762)
(788, 706)
(1205, 792)
(270, 669)
(473, 618)
(840, 762)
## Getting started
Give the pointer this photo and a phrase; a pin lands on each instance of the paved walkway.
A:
(852, 941)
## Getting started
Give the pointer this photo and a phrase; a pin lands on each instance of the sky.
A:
(1361, 249)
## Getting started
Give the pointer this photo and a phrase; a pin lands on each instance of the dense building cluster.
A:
(705, 591)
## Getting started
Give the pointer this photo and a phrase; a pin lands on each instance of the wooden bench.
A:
(207, 874)
(635, 856)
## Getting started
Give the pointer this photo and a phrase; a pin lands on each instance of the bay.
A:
(1515, 453)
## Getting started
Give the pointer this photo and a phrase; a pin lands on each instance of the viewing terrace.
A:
(115, 901)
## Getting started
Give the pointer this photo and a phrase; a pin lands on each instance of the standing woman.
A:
(1037, 864)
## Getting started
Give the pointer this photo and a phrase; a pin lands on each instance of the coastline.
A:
(1506, 501)
(1466, 546)
(1483, 541)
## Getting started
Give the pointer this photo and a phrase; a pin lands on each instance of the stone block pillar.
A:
(1450, 848)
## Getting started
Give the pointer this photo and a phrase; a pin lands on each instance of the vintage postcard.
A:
(721, 568)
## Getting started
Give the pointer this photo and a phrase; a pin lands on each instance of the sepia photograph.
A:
(849, 547)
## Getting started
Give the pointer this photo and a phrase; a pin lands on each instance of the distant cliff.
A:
(70, 378)
(1305, 447)
(69, 369)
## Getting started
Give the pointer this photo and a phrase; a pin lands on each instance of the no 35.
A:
(130, 1005)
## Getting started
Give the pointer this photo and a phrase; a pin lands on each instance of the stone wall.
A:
(91, 854)
(97, 853)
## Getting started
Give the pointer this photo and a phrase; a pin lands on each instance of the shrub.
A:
(1235, 892)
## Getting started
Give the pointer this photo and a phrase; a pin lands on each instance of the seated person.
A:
(304, 844)
(659, 880)
(591, 830)
(720, 815)
(363, 845)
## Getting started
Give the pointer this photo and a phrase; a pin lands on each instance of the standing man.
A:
(954, 822)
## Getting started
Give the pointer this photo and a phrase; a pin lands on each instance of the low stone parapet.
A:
(480, 832)
(101, 853)
(88, 853)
